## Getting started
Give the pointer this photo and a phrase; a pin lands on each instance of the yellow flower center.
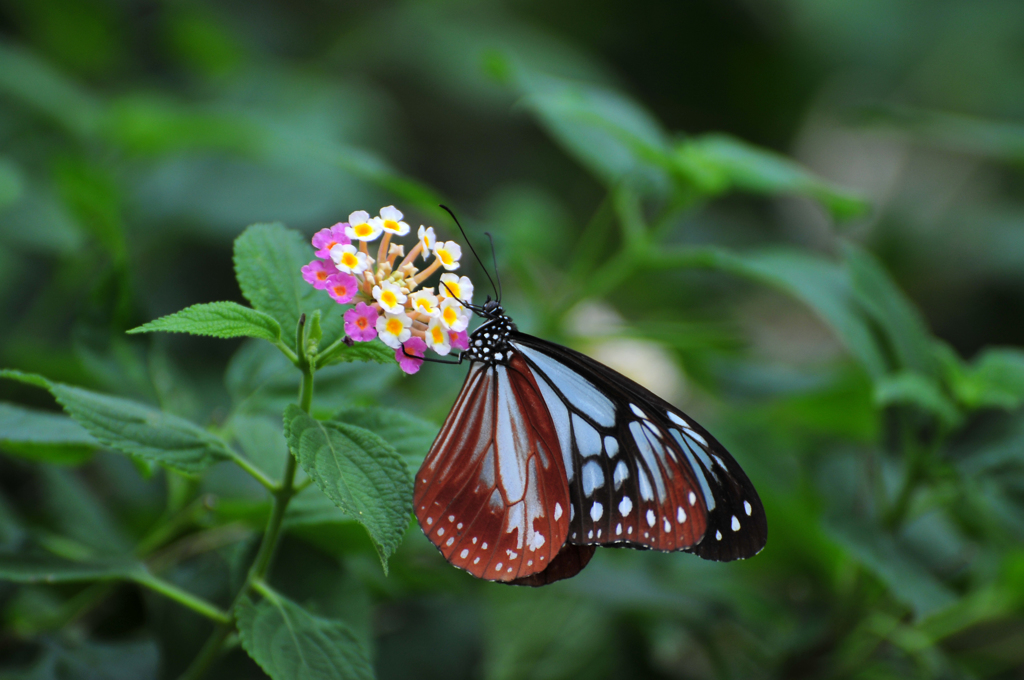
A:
(452, 288)
(450, 316)
(391, 225)
(423, 304)
(321, 275)
(388, 299)
(394, 326)
(446, 257)
(437, 334)
(349, 260)
(363, 229)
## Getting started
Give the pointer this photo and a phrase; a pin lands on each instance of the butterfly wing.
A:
(491, 493)
(641, 472)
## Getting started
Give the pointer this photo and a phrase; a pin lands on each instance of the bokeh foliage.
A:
(802, 217)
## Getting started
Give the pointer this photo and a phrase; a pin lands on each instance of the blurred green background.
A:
(799, 220)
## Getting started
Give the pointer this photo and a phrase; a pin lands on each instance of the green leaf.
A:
(995, 379)
(218, 320)
(50, 569)
(374, 350)
(917, 390)
(133, 428)
(268, 263)
(890, 308)
(44, 436)
(77, 512)
(716, 163)
(885, 557)
(360, 472)
(410, 435)
(823, 286)
(606, 131)
(289, 643)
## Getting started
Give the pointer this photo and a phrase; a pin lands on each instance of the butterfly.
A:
(548, 454)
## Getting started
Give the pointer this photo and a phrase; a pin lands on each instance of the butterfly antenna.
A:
(494, 262)
(470, 244)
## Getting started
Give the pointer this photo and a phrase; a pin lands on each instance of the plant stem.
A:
(196, 604)
(283, 494)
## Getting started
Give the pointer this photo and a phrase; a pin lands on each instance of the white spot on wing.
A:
(693, 498)
(465, 553)
(450, 541)
(611, 446)
(592, 477)
(588, 441)
(677, 420)
(680, 514)
(635, 409)
(621, 474)
(536, 540)
(718, 535)
(735, 523)
(596, 510)
(558, 511)
(618, 529)
(650, 518)
(625, 505)
(440, 531)
(747, 508)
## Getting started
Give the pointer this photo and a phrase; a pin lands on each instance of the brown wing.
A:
(492, 493)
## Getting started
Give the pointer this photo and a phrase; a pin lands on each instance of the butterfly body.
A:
(548, 454)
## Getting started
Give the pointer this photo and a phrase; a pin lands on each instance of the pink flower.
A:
(460, 339)
(342, 287)
(325, 239)
(361, 322)
(414, 346)
(316, 274)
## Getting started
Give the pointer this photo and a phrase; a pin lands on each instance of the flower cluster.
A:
(389, 302)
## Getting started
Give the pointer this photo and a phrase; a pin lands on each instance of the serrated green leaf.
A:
(411, 436)
(360, 472)
(917, 390)
(44, 436)
(896, 315)
(289, 643)
(716, 163)
(218, 320)
(50, 569)
(268, 263)
(133, 428)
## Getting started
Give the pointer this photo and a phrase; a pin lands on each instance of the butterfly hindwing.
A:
(491, 494)
(642, 473)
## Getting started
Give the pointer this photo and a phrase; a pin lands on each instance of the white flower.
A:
(427, 240)
(449, 253)
(425, 302)
(454, 316)
(349, 260)
(390, 297)
(393, 329)
(362, 227)
(459, 288)
(391, 221)
(437, 338)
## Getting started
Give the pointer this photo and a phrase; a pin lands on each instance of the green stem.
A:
(196, 604)
(283, 494)
(257, 474)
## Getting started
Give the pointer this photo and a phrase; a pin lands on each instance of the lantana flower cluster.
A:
(385, 285)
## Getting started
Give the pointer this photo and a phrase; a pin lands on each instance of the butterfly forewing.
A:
(491, 494)
(640, 471)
